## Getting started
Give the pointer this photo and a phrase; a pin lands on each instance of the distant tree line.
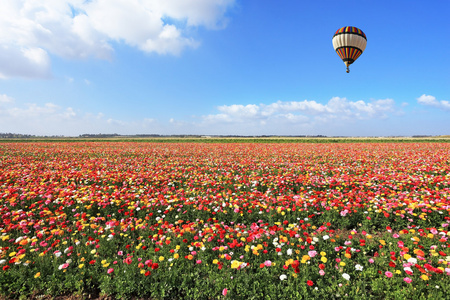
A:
(16, 135)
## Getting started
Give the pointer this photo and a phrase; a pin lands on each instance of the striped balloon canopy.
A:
(349, 43)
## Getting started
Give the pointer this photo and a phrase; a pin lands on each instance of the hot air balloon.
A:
(349, 43)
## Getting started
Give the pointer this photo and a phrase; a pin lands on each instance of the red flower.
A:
(310, 283)
(155, 266)
(321, 266)
(92, 262)
(128, 260)
(5, 268)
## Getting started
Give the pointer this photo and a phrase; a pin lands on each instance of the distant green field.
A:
(321, 140)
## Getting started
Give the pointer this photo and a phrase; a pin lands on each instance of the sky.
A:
(223, 67)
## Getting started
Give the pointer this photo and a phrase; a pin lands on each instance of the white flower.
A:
(2, 261)
(412, 260)
(289, 252)
(346, 276)
(326, 237)
(283, 277)
(358, 267)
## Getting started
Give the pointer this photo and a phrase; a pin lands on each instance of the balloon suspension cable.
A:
(348, 70)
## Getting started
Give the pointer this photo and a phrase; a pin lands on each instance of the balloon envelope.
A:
(349, 43)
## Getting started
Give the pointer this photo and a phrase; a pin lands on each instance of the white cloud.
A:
(337, 117)
(5, 99)
(32, 30)
(429, 100)
(302, 111)
(52, 119)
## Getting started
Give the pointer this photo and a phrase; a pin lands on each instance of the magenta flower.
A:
(110, 270)
(407, 280)
(388, 274)
(225, 291)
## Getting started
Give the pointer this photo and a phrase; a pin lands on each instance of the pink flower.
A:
(321, 272)
(199, 261)
(110, 270)
(371, 260)
(388, 274)
(407, 280)
(395, 236)
(225, 291)
(312, 253)
(120, 253)
(267, 263)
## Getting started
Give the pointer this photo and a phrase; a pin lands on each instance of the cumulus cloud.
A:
(303, 111)
(31, 31)
(429, 100)
(52, 119)
(338, 116)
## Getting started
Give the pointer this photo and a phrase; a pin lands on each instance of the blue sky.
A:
(225, 67)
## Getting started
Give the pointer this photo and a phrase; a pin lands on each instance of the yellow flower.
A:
(176, 256)
(323, 259)
(93, 251)
(103, 262)
(382, 242)
(37, 275)
(406, 256)
(323, 253)
(342, 264)
(142, 271)
(12, 254)
(161, 258)
(289, 262)
(235, 264)
(306, 257)
(81, 266)
(215, 261)
(424, 277)
(294, 275)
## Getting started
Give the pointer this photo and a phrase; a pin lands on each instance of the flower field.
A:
(225, 221)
